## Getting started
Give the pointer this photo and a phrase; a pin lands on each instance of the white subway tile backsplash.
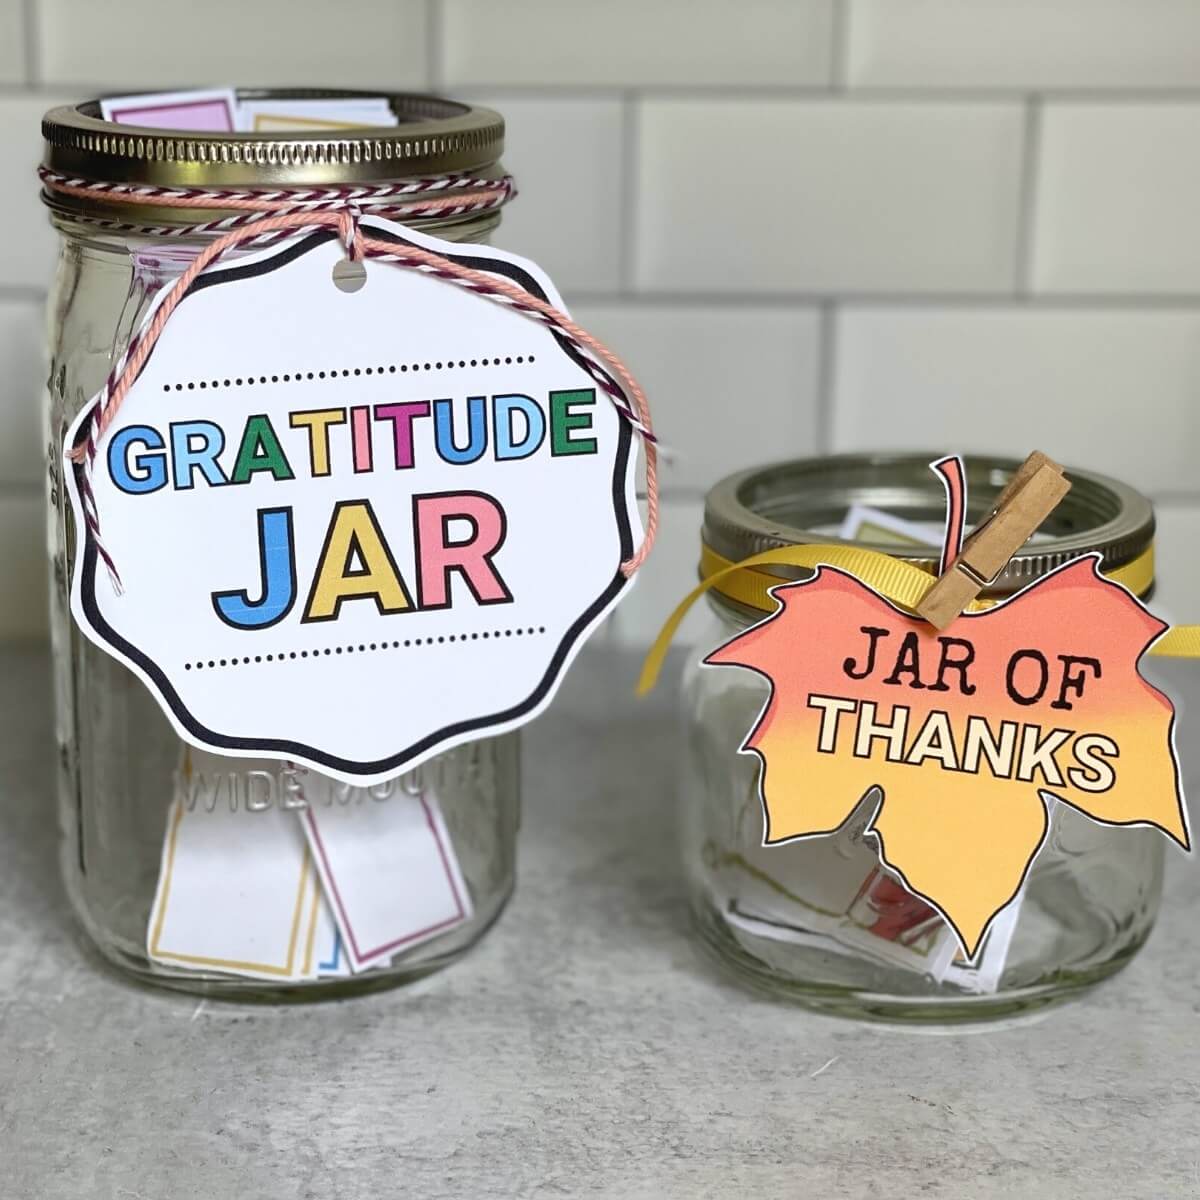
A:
(22, 459)
(140, 44)
(1119, 198)
(751, 191)
(728, 386)
(1117, 391)
(22, 550)
(12, 41)
(1177, 562)
(566, 156)
(1024, 43)
(668, 576)
(824, 196)
(627, 43)
(28, 248)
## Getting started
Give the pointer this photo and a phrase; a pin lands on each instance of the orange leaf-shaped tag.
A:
(966, 732)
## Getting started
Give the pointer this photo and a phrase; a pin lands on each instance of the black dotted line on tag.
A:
(361, 648)
(347, 372)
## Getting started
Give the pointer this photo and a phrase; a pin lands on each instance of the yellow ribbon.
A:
(903, 583)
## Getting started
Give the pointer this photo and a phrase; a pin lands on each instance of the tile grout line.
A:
(875, 94)
(1185, 302)
(1027, 198)
(839, 45)
(671, 495)
(21, 291)
(630, 155)
(32, 42)
(1184, 496)
(965, 301)
(434, 44)
(865, 93)
(21, 489)
(827, 351)
(684, 493)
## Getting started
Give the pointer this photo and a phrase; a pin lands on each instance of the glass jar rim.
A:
(435, 136)
(802, 501)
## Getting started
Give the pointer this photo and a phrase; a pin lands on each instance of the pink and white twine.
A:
(262, 217)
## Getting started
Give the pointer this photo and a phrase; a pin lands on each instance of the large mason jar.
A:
(821, 921)
(120, 765)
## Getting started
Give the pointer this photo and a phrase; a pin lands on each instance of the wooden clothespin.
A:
(1030, 497)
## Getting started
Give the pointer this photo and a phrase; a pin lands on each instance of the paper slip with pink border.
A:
(388, 868)
(237, 892)
(210, 111)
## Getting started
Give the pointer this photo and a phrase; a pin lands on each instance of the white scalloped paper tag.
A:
(353, 530)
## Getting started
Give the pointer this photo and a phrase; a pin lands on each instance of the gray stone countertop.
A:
(585, 1048)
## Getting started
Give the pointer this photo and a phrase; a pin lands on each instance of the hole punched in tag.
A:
(1032, 494)
(349, 275)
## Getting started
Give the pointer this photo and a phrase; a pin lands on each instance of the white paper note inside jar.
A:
(831, 893)
(237, 892)
(387, 865)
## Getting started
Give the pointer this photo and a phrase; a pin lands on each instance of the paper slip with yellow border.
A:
(387, 865)
(265, 116)
(865, 524)
(237, 892)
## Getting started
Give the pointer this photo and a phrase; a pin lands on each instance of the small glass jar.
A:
(820, 921)
(118, 758)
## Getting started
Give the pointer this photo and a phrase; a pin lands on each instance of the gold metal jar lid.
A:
(435, 136)
(804, 501)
